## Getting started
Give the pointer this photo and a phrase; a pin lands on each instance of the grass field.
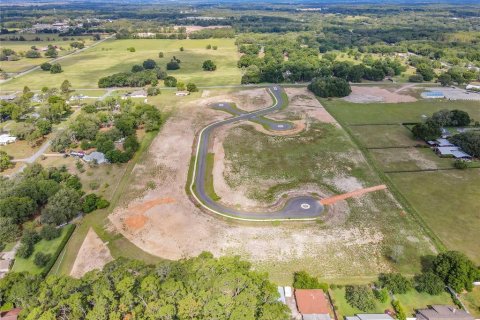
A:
(472, 301)
(449, 202)
(84, 70)
(47, 247)
(446, 200)
(410, 302)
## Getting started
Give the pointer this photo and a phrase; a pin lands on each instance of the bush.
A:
(49, 232)
(209, 65)
(399, 310)
(41, 259)
(137, 68)
(330, 87)
(149, 64)
(45, 66)
(430, 283)
(360, 297)
(55, 68)
(302, 280)
(25, 250)
(131, 49)
(192, 87)
(153, 91)
(102, 203)
(170, 81)
(89, 203)
(417, 78)
(173, 65)
(394, 282)
(381, 295)
(160, 55)
(460, 164)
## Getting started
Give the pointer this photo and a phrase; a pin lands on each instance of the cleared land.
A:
(447, 200)
(360, 230)
(84, 70)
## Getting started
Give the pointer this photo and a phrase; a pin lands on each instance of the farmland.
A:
(84, 69)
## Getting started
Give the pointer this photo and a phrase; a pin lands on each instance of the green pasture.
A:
(84, 69)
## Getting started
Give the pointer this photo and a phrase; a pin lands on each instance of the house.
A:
(473, 87)
(8, 97)
(96, 157)
(182, 93)
(10, 314)
(7, 139)
(441, 142)
(454, 151)
(370, 316)
(442, 312)
(135, 94)
(312, 304)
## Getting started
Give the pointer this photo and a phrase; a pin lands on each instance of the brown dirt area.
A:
(179, 229)
(93, 255)
(356, 193)
(365, 94)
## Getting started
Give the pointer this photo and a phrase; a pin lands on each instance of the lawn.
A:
(449, 203)
(410, 302)
(20, 149)
(472, 301)
(47, 247)
(405, 159)
(84, 69)
(384, 136)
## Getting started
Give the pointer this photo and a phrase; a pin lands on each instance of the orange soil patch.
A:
(355, 193)
(138, 219)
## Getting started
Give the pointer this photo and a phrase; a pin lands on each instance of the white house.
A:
(7, 139)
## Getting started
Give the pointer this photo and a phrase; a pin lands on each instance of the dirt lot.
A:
(177, 228)
(364, 94)
(93, 254)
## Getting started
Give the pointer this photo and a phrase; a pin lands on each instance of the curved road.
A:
(297, 208)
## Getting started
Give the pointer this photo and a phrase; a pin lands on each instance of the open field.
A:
(446, 200)
(410, 302)
(47, 247)
(84, 70)
(449, 202)
(23, 46)
(472, 301)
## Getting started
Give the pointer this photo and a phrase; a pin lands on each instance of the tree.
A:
(445, 79)
(394, 282)
(160, 54)
(50, 232)
(456, 270)
(182, 49)
(66, 86)
(61, 207)
(209, 46)
(173, 65)
(427, 131)
(56, 68)
(137, 68)
(381, 295)
(180, 86)
(32, 54)
(89, 203)
(468, 141)
(41, 259)
(302, 280)
(46, 66)
(170, 81)
(400, 312)
(416, 78)
(330, 87)
(360, 297)
(9, 230)
(429, 282)
(192, 87)
(426, 72)
(153, 91)
(5, 161)
(19, 209)
(51, 52)
(209, 65)
(149, 64)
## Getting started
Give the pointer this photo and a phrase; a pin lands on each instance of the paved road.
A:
(297, 208)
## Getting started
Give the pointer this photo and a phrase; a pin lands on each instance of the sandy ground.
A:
(364, 94)
(93, 254)
(177, 228)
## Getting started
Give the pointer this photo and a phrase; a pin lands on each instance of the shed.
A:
(442, 142)
(182, 93)
(281, 291)
(288, 292)
(7, 139)
(454, 151)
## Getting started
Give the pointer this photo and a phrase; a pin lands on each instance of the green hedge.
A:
(48, 267)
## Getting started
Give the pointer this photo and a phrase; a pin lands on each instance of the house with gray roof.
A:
(370, 316)
(443, 312)
(95, 157)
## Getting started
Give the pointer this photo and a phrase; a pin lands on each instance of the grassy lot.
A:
(472, 301)
(410, 301)
(20, 149)
(84, 70)
(449, 202)
(403, 159)
(385, 113)
(384, 136)
(47, 247)
(27, 63)
(324, 155)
